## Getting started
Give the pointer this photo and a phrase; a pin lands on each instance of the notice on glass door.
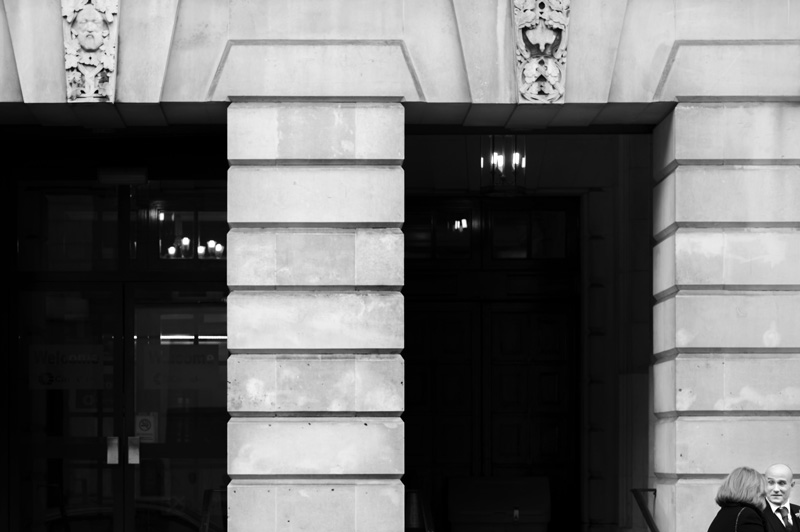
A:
(66, 367)
(147, 426)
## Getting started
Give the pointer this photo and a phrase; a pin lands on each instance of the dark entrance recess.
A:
(492, 359)
(117, 352)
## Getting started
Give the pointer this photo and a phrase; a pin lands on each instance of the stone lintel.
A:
(728, 133)
(315, 131)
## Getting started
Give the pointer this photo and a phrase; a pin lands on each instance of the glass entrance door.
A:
(69, 409)
(116, 372)
(177, 448)
(122, 420)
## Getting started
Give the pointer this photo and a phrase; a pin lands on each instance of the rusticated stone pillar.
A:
(727, 289)
(315, 316)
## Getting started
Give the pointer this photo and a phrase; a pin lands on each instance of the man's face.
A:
(89, 25)
(779, 485)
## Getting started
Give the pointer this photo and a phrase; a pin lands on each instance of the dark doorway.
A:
(117, 364)
(492, 358)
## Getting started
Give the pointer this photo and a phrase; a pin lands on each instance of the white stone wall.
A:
(727, 285)
(315, 316)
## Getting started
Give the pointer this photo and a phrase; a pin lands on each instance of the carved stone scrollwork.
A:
(90, 49)
(542, 27)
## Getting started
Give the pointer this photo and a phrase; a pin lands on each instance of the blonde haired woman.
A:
(741, 499)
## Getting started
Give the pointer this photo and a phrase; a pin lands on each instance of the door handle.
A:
(133, 449)
(112, 450)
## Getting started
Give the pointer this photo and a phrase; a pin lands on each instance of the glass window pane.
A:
(548, 234)
(180, 407)
(453, 235)
(65, 403)
(176, 234)
(418, 235)
(211, 233)
(67, 231)
(510, 232)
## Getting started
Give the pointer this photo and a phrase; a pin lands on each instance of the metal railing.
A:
(639, 494)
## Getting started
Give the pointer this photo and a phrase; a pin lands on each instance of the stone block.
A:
(297, 321)
(315, 257)
(727, 257)
(330, 131)
(762, 257)
(315, 446)
(199, 39)
(755, 320)
(430, 33)
(328, 505)
(142, 69)
(753, 20)
(486, 33)
(664, 457)
(380, 257)
(664, 322)
(700, 445)
(731, 383)
(10, 90)
(252, 258)
(722, 70)
(663, 266)
(37, 42)
(315, 383)
(594, 51)
(730, 133)
(312, 20)
(665, 390)
(342, 70)
(322, 195)
(645, 43)
(685, 504)
(717, 195)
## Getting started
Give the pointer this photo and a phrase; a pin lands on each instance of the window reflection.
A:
(69, 230)
(180, 406)
(191, 234)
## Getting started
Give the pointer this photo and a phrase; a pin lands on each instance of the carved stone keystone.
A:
(541, 49)
(90, 49)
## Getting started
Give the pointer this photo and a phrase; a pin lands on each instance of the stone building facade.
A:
(675, 125)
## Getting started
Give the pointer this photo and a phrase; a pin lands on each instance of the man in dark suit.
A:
(780, 514)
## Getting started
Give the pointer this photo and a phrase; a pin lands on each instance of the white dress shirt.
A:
(776, 512)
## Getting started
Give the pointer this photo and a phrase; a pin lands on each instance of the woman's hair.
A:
(744, 484)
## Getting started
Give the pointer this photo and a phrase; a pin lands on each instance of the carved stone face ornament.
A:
(90, 49)
(90, 28)
(541, 48)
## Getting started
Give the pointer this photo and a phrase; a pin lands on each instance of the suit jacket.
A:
(738, 517)
(775, 524)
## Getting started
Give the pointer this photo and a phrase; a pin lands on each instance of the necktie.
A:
(784, 513)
